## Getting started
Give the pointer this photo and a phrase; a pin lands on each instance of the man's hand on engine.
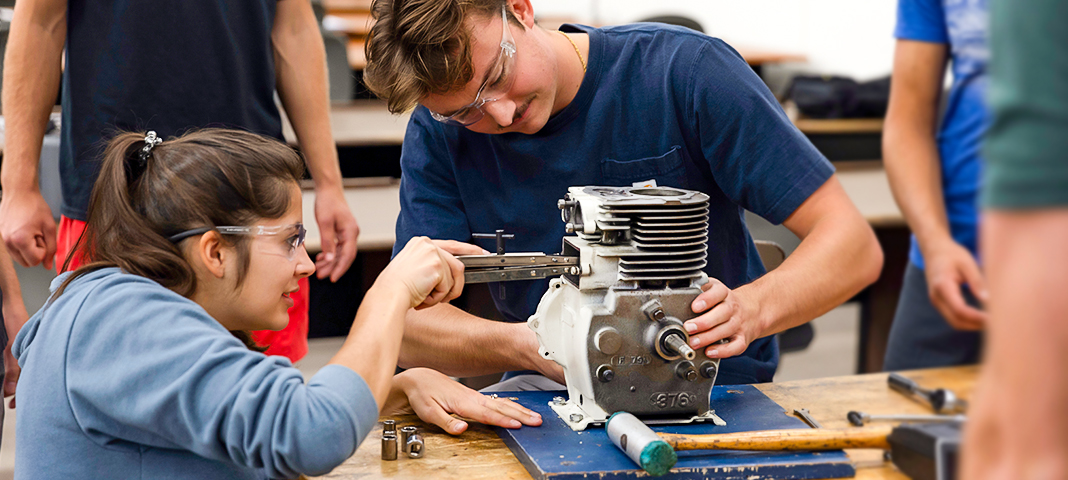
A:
(726, 316)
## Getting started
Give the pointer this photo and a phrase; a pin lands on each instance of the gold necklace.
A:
(583, 62)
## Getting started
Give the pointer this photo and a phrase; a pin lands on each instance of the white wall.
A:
(843, 37)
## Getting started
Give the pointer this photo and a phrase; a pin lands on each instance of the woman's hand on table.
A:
(435, 397)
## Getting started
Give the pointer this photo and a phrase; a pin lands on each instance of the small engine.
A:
(614, 321)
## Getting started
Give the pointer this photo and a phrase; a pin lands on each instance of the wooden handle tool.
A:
(799, 439)
(655, 453)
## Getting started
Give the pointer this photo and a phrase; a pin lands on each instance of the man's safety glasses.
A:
(498, 82)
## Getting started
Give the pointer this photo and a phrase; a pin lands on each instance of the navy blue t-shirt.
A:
(165, 65)
(962, 25)
(656, 102)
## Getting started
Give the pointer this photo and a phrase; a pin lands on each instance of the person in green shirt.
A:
(1018, 426)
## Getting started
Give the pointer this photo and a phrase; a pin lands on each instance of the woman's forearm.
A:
(375, 336)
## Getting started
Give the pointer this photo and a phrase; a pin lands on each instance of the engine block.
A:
(615, 323)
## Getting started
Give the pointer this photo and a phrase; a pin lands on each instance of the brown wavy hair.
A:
(203, 178)
(420, 47)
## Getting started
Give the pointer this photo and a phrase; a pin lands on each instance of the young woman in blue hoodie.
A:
(138, 366)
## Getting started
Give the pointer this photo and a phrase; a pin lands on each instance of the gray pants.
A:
(920, 336)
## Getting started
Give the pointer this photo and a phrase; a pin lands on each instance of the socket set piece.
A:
(414, 446)
(411, 442)
(389, 446)
(389, 426)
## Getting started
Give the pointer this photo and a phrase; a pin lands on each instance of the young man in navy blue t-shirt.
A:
(510, 115)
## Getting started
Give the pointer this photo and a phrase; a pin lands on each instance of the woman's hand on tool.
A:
(435, 397)
(724, 315)
(428, 273)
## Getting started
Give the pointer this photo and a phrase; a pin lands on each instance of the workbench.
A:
(480, 454)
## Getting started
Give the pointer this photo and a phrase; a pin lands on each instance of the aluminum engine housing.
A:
(609, 324)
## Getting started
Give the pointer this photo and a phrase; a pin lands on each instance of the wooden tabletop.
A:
(866, 183)
(367, 122)
(825, 126)
(360, 123)
(757, 56)
(480, 454)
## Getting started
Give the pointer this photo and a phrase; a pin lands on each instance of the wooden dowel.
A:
(800, 439)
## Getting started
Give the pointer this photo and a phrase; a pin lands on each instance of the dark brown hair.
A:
(203, 178)
(420, 47)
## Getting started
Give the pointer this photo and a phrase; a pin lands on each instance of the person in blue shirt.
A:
(508, 115)
(136, 368)
(934, 170)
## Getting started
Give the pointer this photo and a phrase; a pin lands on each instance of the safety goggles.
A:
(294, 242)
(498, 82)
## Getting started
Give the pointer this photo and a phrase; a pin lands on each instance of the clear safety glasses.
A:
(498, 82)
(293, 243)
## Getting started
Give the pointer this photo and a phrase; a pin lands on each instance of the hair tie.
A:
(151, 140)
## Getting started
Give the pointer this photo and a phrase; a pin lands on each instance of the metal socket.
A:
(414, 447)
(389, 446)
(389, 426)
(405, 434)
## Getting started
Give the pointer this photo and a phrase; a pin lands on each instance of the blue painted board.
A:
(554, 451)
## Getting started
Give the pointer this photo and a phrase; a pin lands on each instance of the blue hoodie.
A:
(125, 379)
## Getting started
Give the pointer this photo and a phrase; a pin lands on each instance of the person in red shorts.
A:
(169, 67)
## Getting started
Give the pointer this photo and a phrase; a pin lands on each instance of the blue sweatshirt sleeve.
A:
(148, 367)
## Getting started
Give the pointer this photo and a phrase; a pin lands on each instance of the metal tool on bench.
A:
(613, 317)
(389, 446)
(411, 442)
(414, 446)
(861, 418)
(940, 399)
(921, 451)
(806, 417)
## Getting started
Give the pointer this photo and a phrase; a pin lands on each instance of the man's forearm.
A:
(32, 71)
(300, 69)
(838, 256)
(457, 343)
(913, 168)
(910, 153)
